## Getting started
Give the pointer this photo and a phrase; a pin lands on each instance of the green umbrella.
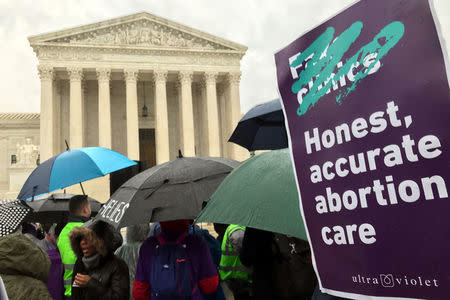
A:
(260, 193)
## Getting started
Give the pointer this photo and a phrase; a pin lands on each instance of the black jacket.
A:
(110, 279)
(257, 252)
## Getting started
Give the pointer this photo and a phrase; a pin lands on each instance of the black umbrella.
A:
(262, 128)
(55, 208)
(169, 191)
(12, 213)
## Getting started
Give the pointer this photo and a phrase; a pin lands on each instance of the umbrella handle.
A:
(82, 189)
(34, 192)
(67, 149)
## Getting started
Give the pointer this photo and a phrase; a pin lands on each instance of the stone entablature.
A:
(61, 55)
(19, 120)
(19, 116)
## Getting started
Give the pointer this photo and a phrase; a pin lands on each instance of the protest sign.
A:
(367, 106)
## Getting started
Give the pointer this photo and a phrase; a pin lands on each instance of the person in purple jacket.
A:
(55, 278)
(48, 244)
(192, 264)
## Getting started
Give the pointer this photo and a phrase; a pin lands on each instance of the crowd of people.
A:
(83, 259)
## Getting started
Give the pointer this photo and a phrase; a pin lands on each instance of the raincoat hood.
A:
(24, 268)
(137, 233)
(19, 255)
(102, 235)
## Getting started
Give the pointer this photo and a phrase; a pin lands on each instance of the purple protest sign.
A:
(366, 99)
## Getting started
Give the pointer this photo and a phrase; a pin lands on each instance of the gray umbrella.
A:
(169, 191)
(55, 208)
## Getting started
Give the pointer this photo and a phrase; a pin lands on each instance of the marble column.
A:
(221, 99)
(104, 108)
(47, 113)
(161, 117)
(234, 112)
(57, 95)
(131, 77)
(186, 114)
(76, 108)
(212, 115)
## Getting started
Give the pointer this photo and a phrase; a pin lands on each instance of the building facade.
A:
(141, 85)
(19, 150)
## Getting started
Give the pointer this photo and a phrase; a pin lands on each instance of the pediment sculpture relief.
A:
(141, 33)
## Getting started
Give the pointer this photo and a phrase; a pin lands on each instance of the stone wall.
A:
(15, 129)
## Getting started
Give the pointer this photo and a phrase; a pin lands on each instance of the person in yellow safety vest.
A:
(80, 211)
(231, 270)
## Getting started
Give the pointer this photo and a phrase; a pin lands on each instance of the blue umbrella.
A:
(262, 128)
(72, 167)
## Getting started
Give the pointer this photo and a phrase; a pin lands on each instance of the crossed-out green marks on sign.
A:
(322, 62)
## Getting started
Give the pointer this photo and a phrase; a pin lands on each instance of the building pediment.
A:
(142, 30)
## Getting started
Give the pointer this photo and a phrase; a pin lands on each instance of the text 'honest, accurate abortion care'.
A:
(384, 192)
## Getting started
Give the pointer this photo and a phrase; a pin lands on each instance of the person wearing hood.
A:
(98, 273)
(24, 268)
(80, 211)
(129, 252)
(174, 265)
(155, 229)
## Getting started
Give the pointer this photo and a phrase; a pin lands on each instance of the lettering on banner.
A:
(114, 210)
(382, 192)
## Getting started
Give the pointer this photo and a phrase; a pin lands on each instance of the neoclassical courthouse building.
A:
(140, 84)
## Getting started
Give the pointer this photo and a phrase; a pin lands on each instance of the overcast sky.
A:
(264, 26)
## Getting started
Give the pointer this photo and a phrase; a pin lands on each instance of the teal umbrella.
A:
(260, 193)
